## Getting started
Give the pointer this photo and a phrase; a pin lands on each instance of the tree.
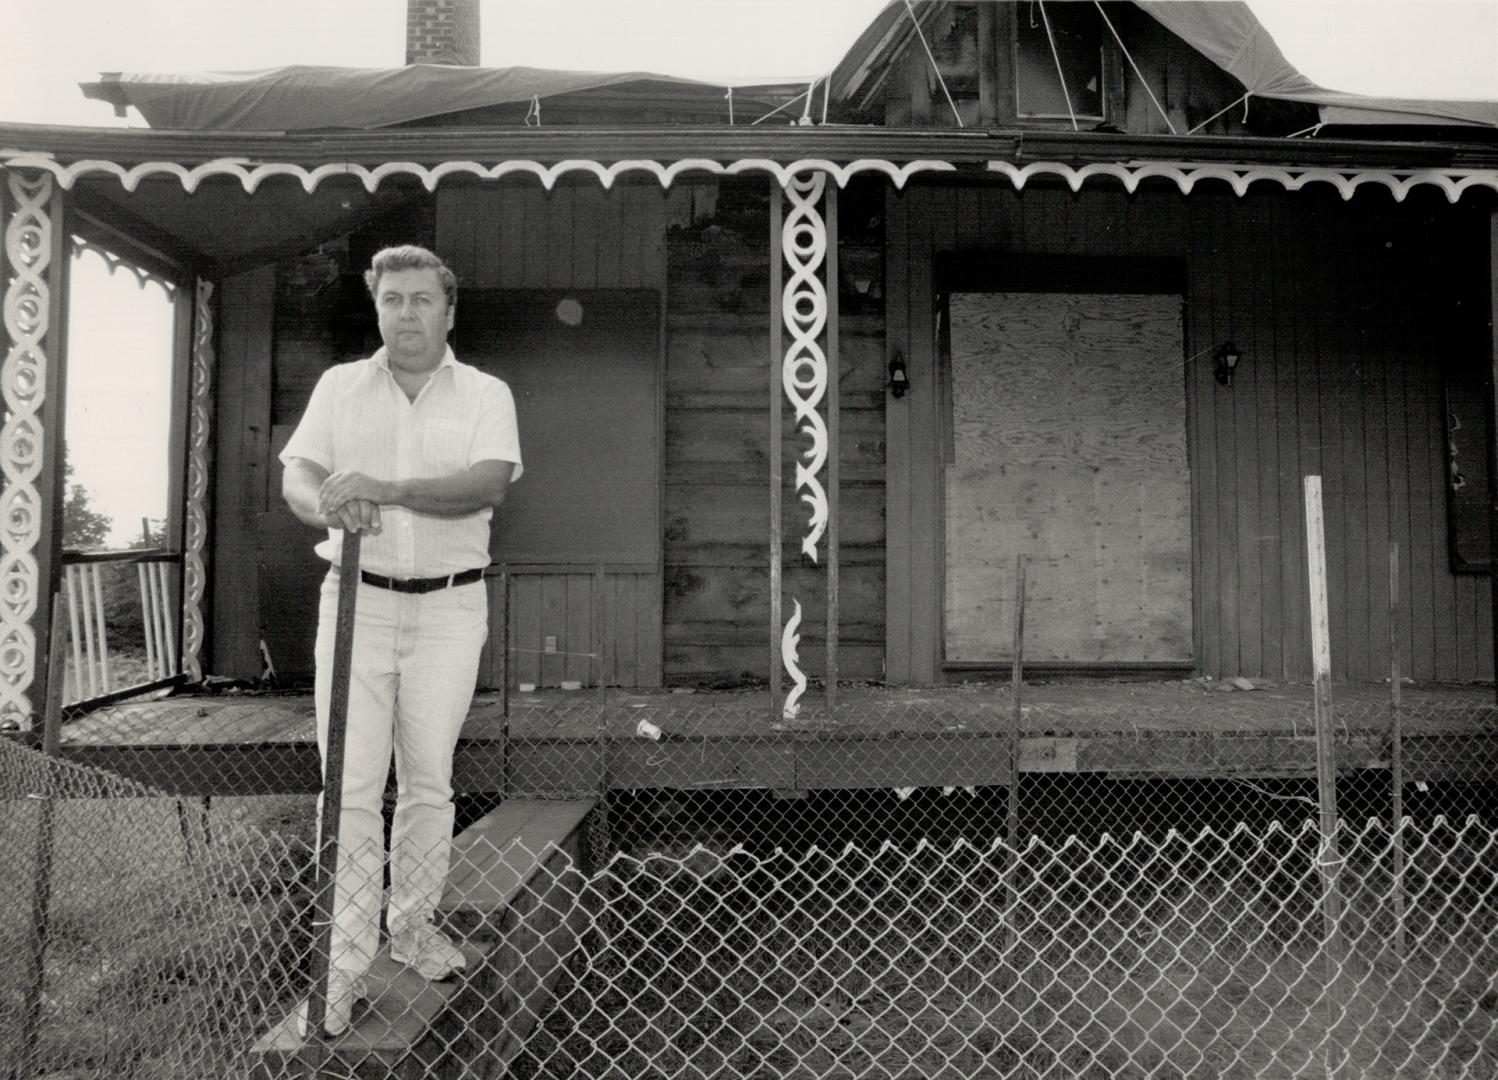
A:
(83, 527)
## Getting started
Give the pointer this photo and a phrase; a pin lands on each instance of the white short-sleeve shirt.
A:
(359, 418)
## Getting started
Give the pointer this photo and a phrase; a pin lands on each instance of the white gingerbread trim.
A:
(803, 377)
(199, 421)
(790, 658)
(114, 263)
(251, 177)
(23, 385)
(803, 373)
(1185, 175)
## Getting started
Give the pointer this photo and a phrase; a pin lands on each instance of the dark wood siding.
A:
(241, 479)
(717, 458)
(1345, 312)
(510, 236)
(576, 236)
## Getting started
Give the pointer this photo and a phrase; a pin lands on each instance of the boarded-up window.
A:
(584, 368)
(1069, 446)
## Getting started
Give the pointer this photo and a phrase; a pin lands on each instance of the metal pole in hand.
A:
(1016, 717)
(332, 785)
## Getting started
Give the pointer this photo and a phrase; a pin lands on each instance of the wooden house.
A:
(1095, 285)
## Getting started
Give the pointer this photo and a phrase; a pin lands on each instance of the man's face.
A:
(414, 318)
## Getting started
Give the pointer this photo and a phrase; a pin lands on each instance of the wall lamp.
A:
(1227, 356)
(899, 382)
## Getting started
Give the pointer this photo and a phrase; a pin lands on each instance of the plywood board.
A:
(1069, 446)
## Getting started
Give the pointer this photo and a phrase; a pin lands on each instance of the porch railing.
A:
(99, 672)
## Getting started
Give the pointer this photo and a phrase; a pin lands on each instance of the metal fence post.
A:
(41, 891)
(1328, 859)
(1396, 752)
(1016, 714)
(332, 793)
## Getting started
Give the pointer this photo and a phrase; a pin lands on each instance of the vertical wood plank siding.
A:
(242, 467)
(716, 597)
(509, 236)
(1345, 316)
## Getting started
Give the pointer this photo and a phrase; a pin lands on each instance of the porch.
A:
(569, 742)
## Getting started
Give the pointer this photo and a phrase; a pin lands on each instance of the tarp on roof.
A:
(1231, 37)
(302, 98)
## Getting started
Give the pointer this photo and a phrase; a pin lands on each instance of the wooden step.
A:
(513, 872)
(387, 1036)
(496, 856)
(515, 879)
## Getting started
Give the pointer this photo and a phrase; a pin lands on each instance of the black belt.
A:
(421, 584)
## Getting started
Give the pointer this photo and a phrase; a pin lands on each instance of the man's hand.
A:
(354, 499)
(356, 515)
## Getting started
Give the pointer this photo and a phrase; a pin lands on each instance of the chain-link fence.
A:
(862, 891)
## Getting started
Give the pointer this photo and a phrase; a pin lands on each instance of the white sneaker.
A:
(428, 950)
(344, 992)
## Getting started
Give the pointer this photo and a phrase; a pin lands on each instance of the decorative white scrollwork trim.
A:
(1186, 175)
(803, 378)
(1453, 182)
(113, 263)
(251, 177)
(804, 371)
(23, 386)
(199, 418)
(790, 640)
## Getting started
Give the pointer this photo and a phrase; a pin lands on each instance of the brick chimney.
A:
(442, 32)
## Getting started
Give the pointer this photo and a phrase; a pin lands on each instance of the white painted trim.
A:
(24, 382)
(1185, 175)
(251, 177)
(199, 424)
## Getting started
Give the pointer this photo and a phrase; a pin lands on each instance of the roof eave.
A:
(784, 143)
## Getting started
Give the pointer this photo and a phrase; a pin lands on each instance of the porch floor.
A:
(565, 742)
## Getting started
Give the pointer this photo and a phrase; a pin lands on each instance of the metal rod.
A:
(104, 682)
(46, 825)
(86, 612)
(70, 578)
(599, 679)
(332, 793)
(1328, 859)
(1016, 712)
(834, 444)
(169, 661)
(1396, 751)
(777, 256)
(501, 620)
(1492, 426)
(1016, 684)
(147, 617)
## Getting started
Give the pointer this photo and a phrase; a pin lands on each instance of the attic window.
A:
(1079, 35)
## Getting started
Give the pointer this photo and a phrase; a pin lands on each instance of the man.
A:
(413, 450)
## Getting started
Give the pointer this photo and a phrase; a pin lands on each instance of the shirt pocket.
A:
(444, 446)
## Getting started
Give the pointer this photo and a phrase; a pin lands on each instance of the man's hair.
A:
(410, 257)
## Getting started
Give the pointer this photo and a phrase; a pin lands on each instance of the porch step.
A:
(510, 900)
(498, 855)
(515, 880)
(406, 1029)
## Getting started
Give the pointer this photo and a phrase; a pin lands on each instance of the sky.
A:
(1409, 48)
(1423, 48)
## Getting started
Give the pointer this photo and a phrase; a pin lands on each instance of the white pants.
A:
(415, 663)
